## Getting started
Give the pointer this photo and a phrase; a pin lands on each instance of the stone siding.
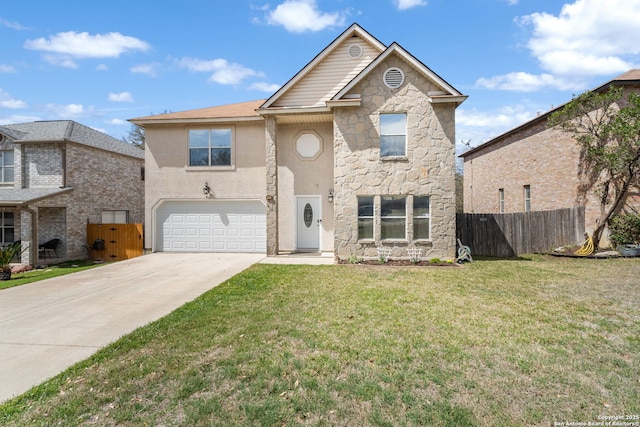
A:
(427, 170)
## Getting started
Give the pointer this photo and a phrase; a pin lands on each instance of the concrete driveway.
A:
(47, 326)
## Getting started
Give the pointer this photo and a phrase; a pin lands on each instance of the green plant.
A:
(6, 257)
(435, 260)
(354, 259)
(624, 229)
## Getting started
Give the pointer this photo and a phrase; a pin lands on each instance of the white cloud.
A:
(264, 87)
(69, 111)
(18, 119)
(102, 67)
(121, 97)
(4, 68)
(408, 4)
(299, 16)
(150, 69)
(13, 25)
(223, 72)
(64, 61)
(587, 38)
(85, 45)
(7, 101)
(526, 82)
(117, 122)
(480, 126)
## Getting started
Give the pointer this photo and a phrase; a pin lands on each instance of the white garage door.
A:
(212, 226)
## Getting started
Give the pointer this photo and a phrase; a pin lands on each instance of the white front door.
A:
(309, 222)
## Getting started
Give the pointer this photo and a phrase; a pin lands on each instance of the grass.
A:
(499, 343)
(67, 267)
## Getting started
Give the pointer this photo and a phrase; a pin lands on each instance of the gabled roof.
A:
(450, 94)
(68, 131)
(354, 29)
(19, 196)
(239, 111)
(631, 77)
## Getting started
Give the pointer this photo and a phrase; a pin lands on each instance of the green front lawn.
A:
(18, 279)
(497, 343)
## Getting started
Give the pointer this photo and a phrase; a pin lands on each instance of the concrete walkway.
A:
(47, 326)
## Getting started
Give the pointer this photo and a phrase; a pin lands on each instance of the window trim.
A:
(527, 198)
(501, 200)
(4, 167)
(404, 134)
(209, 130)
(114, 212)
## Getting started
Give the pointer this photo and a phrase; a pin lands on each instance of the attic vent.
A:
(393, 78)
(354, 51)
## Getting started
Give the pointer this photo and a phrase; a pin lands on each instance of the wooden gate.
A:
(120, 241)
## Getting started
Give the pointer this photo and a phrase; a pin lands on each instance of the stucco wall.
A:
(168, 176)
(428, 170)
(298, 176)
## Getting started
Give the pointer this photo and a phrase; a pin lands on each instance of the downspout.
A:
(33, 247)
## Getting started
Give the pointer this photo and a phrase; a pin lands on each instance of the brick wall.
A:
(101, 180)
(546, 159)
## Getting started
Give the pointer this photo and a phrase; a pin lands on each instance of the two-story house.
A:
(355, 151)
(535, 167)
(57, 176)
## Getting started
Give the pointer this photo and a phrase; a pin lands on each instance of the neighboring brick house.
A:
(533, 167)
(357, 150)
(57, 176)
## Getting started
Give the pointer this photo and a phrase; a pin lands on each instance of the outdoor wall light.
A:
(206, 190)
(330, 195)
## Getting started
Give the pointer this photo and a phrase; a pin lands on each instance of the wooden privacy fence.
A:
(508, 235)
(119, 241)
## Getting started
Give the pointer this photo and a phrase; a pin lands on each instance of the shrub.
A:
(624, 229)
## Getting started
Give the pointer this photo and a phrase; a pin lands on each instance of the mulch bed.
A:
(401, 263)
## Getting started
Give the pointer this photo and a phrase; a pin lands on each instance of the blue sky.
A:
(103, 62)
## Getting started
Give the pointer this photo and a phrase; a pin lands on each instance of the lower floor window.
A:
(7, 227)
(115, 217)
(393, 218)
(421, 217)
(365, 217)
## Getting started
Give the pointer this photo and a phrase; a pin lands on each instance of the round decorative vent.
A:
(354, 51)
(393, 78)
(3, 139)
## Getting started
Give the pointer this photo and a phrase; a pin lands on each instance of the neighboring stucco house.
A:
(57, 176)
(533, 168)
(357, 150)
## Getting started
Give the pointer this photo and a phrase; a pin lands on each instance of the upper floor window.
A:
(527, 198)
(393, 218)
(6, 166)
(501, 199)
(210, 147)
(393, 135)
